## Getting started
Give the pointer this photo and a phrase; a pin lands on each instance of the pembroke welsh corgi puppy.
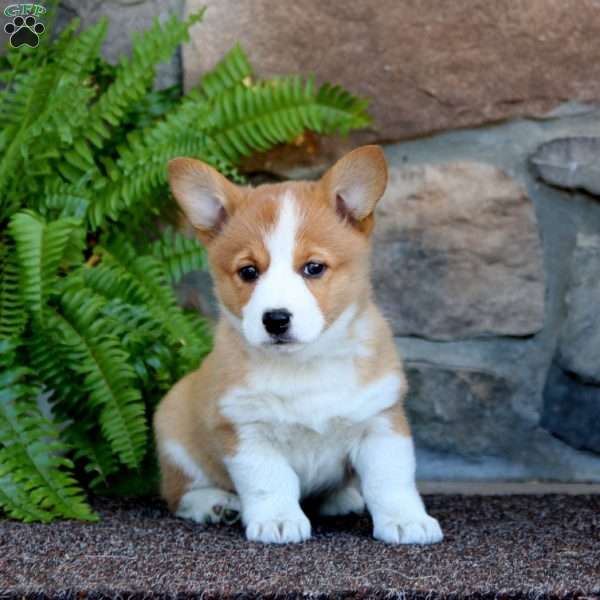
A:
(302, 394)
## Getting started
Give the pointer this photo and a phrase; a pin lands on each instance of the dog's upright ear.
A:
(204, 195)
(355, 184)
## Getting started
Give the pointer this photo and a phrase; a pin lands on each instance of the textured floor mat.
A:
(531, 547)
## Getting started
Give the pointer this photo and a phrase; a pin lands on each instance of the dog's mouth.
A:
(283, 342)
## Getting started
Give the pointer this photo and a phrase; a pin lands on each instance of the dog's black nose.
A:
(277, 322)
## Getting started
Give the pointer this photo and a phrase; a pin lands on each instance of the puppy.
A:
(302, 394)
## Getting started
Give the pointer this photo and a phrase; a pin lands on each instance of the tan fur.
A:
(343, 248)
(190, 414)
(173, 482)
(241, 244)
(188, 179)
(383, 359)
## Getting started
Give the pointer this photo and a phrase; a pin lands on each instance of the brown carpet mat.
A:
(534, 547)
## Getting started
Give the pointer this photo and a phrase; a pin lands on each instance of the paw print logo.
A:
(24, 32)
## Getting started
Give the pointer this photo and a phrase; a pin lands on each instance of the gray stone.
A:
(534, 453)
(572, 410)
(426, 65)
(579, 349)
(571, 163)
(457, 253)
(457, 410)
(125, 17)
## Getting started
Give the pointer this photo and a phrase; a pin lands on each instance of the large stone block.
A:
(461, 411)
(426, 65)
(457, 253)
(579, 348)
(572, 410)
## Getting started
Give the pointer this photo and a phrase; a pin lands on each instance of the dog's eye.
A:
(248, 273)
(313, 269)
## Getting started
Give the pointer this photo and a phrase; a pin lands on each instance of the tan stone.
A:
(426, 65)
(457, 253)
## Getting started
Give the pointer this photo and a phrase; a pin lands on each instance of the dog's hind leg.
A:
(189, 493)
(209, 505)
(343, 501)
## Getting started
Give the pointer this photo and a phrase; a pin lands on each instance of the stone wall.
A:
(487, 247)
(501, 390)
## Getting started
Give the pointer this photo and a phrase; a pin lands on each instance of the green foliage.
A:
(178, 254)
(35, 482)
(88, 315)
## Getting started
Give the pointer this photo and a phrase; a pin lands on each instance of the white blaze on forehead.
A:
(281, 287)
(281, 240)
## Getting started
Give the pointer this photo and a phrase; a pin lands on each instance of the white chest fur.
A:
(310, 413)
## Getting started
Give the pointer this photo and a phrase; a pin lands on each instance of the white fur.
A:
(281, 287)
(299, 421)
(180, 457)
(203, 502)
(269, 489)
(202, 204)
(385, 464)
(316, 386)
(354, 199)
(343, 501)
(209, 505)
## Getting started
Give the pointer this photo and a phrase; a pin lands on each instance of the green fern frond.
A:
(35, 473)
(146, 341)
(49, 359)
(134, 76)
(67, 100)
(111, 282)
(233, 69)
(40, 247)
(63, 40)
(45, 105)
(255, 118)
(65, 111)
(140, 328)
(179, 254)
(151, 280)
(76, 55)
(341, 110)
(139, 181)
(14, 98)
(26, 101)
(140, 166)
(16, 502)
(108, 377)
(100, 461)
(12, 311)
(18, 63)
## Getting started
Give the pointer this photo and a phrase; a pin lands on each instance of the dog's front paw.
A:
(279, 531)
(420, 530)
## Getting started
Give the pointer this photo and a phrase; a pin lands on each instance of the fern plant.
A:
(88, 315)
